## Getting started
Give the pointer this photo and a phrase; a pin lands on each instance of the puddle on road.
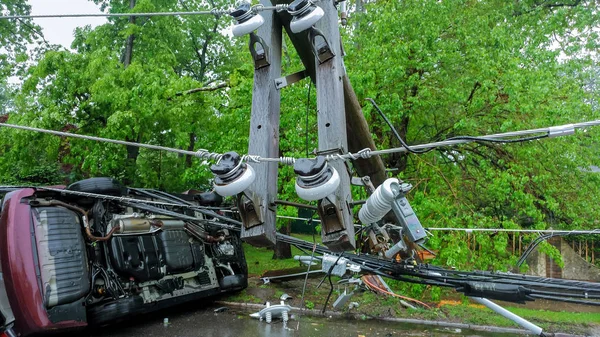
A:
(234, 323)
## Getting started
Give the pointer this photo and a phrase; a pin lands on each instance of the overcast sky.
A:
(60, 30)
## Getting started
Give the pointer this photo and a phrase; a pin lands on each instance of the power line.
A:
(553, 131)
(549, 231)
(98, 139)
(215, 12)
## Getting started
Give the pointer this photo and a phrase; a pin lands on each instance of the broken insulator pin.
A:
(316, 179)
(379, 203)
(247, 20)
(305, 14)
(397, 248)
(232, 175)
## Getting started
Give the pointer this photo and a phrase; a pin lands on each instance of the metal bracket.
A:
(337, 265)
(329, 151)
(251, 210)
(364, 181)
(283, 82)
(342, 300)
(331, 215)
(356, 181)
(321, 50)
(260, 55)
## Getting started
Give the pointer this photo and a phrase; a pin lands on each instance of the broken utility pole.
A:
(338, 114)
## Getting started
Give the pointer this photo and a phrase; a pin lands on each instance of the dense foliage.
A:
(437, 68)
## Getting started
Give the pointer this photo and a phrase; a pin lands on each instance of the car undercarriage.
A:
(98, 260)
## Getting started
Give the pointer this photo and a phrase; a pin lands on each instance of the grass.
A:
(261, 260)
(244, 297)
(558, 316)
(548, 320)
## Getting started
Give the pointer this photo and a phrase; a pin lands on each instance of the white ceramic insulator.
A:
(300, 24)
(379, 203)
(248, 27)
(285, 317)
(319, 192)
(343, 7)
(238, 185)
(269, 317)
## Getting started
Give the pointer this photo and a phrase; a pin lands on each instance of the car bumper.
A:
(20, 268)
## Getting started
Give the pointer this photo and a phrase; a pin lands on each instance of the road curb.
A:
(318, 313)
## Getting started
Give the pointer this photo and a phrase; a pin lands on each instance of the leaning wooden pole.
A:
(357, 129)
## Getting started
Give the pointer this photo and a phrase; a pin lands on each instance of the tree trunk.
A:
(191, 145)
(283, 250)
(359, 137)
(130, 38)
(132, 151)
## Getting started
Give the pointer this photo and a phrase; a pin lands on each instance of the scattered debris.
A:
(220, 309)
(267, 279)
(285, 297)
(342, 300)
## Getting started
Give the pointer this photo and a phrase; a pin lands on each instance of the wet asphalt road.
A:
(203, 321)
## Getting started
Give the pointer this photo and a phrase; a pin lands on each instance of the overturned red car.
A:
(68, 260)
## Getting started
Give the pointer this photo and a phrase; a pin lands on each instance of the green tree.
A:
(15, 35)
(438, 69)
(475, 68)
(153, 98)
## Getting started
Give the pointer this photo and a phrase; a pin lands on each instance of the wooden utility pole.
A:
(338, 115)
(255, 205)
(356, 125)
(337, 229)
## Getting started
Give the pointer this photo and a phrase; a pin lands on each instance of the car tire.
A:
(100, 185)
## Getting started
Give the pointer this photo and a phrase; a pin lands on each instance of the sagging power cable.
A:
(554, 131)
(480, 139)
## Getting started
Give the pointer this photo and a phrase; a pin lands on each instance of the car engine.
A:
(119, 258)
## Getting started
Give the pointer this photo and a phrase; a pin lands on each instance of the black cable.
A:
(562, 299)
(330, 283)
(537, 242)
(328, 295)
(408, 148)
(585, 295)
(472, 138)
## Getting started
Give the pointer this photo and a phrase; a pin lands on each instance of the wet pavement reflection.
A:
(190, 321)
